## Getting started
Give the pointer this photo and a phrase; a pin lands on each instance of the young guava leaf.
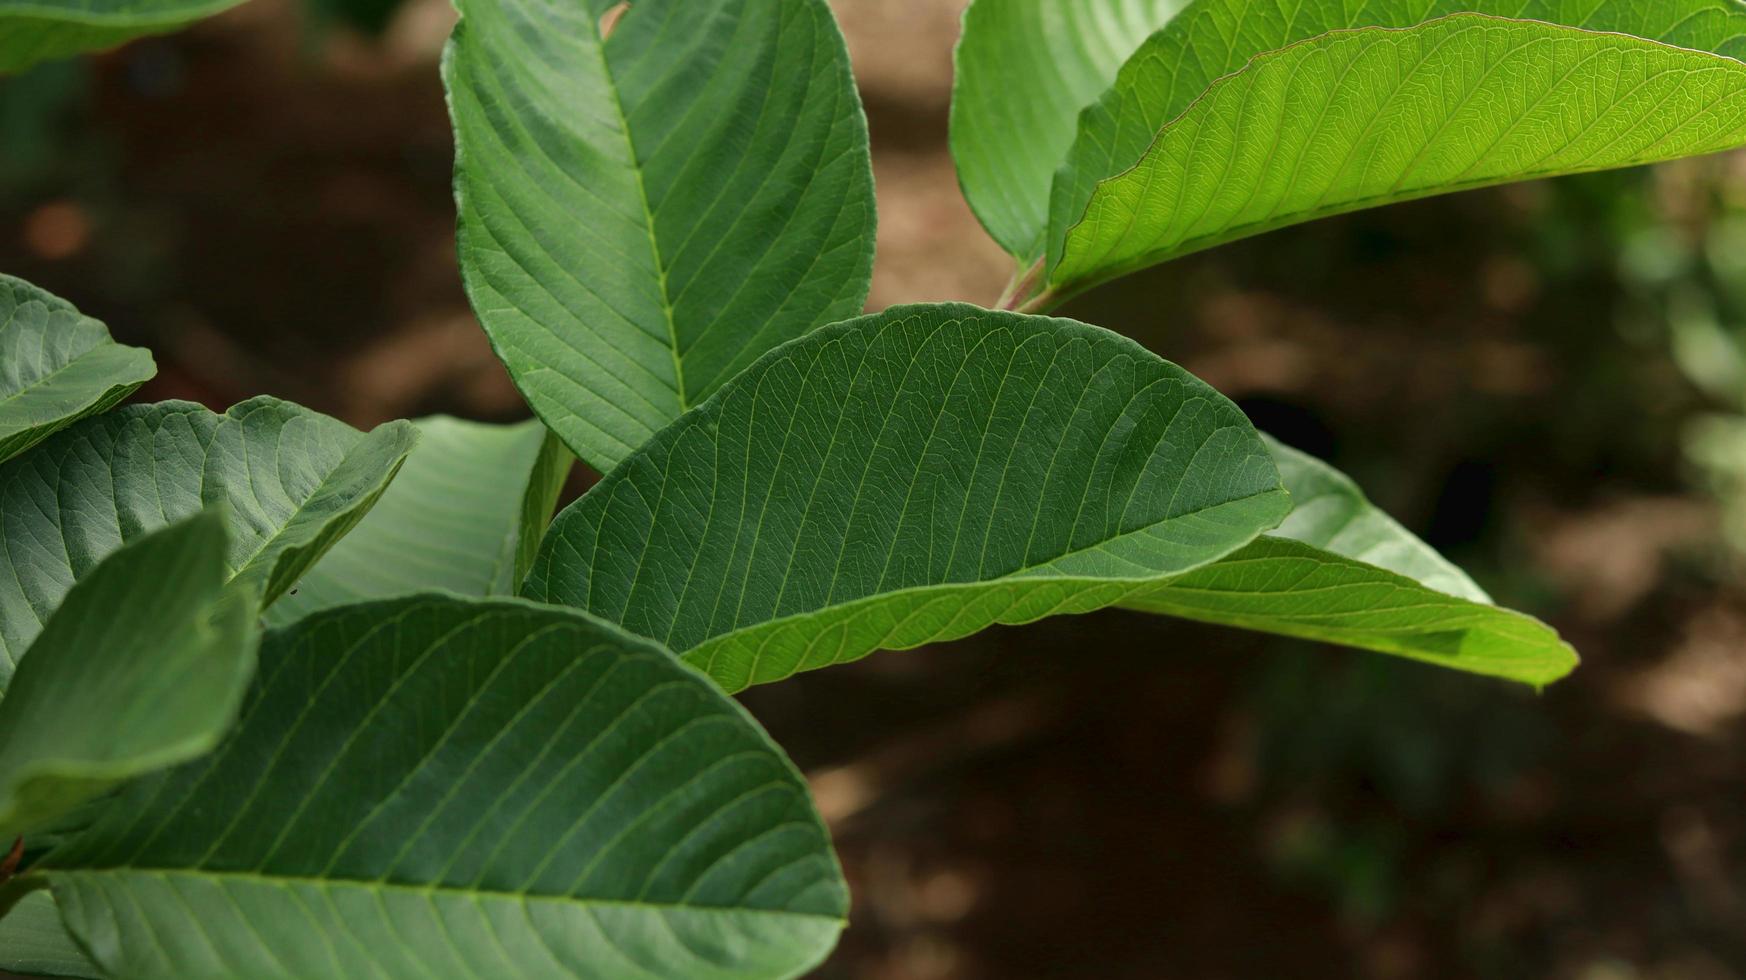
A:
(1340, 570)
(1214, 38)
(141, 667)
(642, 216)
(464, 515)
(908, 477)
(33, 31)
(292, 483)
(442, 787)
(56, 366)
(35, 942)
(1022, 71)
(1354, 119)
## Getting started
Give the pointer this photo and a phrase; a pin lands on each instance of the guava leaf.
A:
(292, 482)
(56, 366)
(1340, 570)
(34, 941)
(141, 667)
(1354, 119)
(908, 477)
(464, 515)
(33, 31)
(1023, 70)
(642, 216)
(437, 786)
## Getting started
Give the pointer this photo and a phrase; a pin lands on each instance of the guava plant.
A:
(285, 699)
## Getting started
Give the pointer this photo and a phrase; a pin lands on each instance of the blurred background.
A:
(1547, 381)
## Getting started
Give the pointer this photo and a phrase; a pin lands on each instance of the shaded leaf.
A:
(436, 786)
(464, 515)
(56, 366)
(908, 477)
(641, 217)
(140, 668)
(1354, 119)
(291, 482)
(33, 31)
(1022, 71)
(1341, 571)
(34, 941)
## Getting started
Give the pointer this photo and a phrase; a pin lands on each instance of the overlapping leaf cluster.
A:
(467, 745)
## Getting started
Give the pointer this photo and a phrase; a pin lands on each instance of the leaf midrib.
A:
(428, 891)
(1018, 576)
(648, 220)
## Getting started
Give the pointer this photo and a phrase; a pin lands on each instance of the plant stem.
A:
(1014, 296)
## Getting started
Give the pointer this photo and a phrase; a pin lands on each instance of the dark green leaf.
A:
(292, 483)
(34, 941)
(140, 668)
(440, 787)
(908, 477)
(56, 366)
(641, 217)
(464, 515)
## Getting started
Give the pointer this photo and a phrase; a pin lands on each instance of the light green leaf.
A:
(32, 31)
(441, 787)
(34, 941)
(1355, 119)
(642, 217)
(1214, 38)
(142, 667)
(465, 515)
(291, 481)
(56, 366)
(1023, 70)
(1341, 571)
(908, 477)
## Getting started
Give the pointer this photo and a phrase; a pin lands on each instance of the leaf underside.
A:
(140, 668)
(907, 477)
(1339, 570)
(441, 787)
(464, 515)
(642, 217)
(33, 31)
(1214, 38)
(1022, 71)
(35, 942)
(56, 366)
(1354, 119)
(292, 482)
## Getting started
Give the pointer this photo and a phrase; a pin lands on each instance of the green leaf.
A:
(1354, 119)
(33, 31)
(142, 667)
(1341, 571)
(34, 941)
(56, 366)
(465, 515)
(642, 217)
(292, 483)
(441, 787)
(909, 477)
(1023, 70)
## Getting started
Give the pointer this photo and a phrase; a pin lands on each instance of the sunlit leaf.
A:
(1359, 118)
(642, 216)
(1023, 70)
